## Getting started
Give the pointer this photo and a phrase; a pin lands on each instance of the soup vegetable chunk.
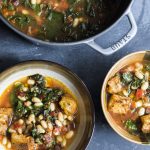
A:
(38, 113)
(129, 99)
(59, 20)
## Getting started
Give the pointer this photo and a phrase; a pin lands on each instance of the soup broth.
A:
(60, 20)
(37, 113)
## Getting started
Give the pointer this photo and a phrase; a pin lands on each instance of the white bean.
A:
(21, 121)
(146, 104)
(50, 126)
(75, 22)
(31, 82)
(139, 75)
(25, 12)
(33, 2)
(64, 142)
(44, 124)
(65, 116)
(36, 100)
(8, 145)
(58, 123)
(4, 140)
(38, 104)
(60, 117)
(141, 111)
(125, 93)
(69, 134)
(146, 75)
(31, 118)
(41, 117)
(138, 66)
(25, 89)
(22, 98)
(138, 103)
(81, 19)
(70, 118)
(64, 122)
(145, 86)
(40, 129)
(52, 106)
(28, 122)
(59, 138)
(19, 130)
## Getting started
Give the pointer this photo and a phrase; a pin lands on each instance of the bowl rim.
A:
(46, 62)
(102, 96)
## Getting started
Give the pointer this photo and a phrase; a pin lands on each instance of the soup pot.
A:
(127, 60)
(125, 10)
(85, 125)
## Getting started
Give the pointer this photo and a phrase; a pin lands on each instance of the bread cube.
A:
(114, 85)
(145, 123)
(119, 104)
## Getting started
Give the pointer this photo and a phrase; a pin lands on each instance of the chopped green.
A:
(131, 126)
(136, 83)
(127, 77)
(20, 19)
(20, 109)
(147, 67)
(4, 2)
(11, 6)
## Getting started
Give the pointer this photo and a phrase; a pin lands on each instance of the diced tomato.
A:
(17, 125)
(1, 137)
(139, 93)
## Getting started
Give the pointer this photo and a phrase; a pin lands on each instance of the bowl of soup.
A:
(125, 97)
(44, 106)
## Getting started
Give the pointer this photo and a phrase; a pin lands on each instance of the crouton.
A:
(22, 140)
(19, 138)
(119, 104)
(114, 85)
(19, 141)
(145, 123)
(5, 118)
(32, 145)
(6, 111)
(69, 105)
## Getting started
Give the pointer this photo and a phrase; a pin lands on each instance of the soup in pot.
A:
(60, 20)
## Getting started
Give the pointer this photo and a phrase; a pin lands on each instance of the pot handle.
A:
(119, 44)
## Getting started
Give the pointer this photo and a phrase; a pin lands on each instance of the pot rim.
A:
(46, 62)
(84, 41)
(102, 97)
